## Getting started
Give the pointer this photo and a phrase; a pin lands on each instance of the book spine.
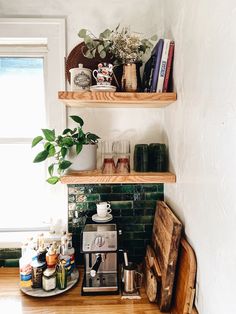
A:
(157, 65)
(168, 67)
(162, 70)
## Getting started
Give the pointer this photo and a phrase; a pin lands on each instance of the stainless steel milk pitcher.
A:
(132, 278)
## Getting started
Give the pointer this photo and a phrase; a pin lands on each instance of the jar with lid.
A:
(37, 273)
(49, 281)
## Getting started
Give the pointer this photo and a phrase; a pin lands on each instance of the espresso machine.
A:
(99, 246)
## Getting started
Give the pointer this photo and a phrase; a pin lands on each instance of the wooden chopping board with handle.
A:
(165, 241)
(185, 280)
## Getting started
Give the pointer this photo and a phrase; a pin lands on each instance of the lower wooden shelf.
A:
(96, 177)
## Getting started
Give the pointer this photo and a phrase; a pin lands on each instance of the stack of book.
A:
(157, 70)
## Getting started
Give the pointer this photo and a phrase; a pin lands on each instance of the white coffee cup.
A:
(103, 209)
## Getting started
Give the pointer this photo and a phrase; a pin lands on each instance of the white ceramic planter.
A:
(86, 160)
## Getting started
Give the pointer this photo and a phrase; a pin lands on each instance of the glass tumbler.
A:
(141, 158)
(108, 164)
(158, 160)
(121, 150)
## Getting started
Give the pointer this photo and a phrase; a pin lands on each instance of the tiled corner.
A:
(133, 207)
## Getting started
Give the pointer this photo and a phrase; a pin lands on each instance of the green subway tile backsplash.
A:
(133, 207)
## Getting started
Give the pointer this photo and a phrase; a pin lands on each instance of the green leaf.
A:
(107, 43)
(50, 169)
(36, 140)
(81, 133)
(77, 119)
(46, 145)
(92, 138)
(82, 33)
(105, 34)
(49, 134)
(67, 141)
(41, 156)
(51, 150)
(94, 52)
(102, 54)
(53, 180)
(65, 164)
(88, 54)
(67, 131)
(153, 38)
(64, 152)
(79, 147)
(100, 48)
(87, 39)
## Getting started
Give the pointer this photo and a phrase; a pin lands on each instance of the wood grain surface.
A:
(185, 283)
(165, 240)
(88, 177)
(12, 300)
(116, 99)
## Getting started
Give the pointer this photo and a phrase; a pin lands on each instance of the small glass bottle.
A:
(61, 275)
(51, 257)
(49, 282)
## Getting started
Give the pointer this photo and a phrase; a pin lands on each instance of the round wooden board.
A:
(151, 286)
(40, 293)
(76, 56)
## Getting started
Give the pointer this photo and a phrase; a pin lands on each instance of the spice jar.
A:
(37, 273)
(49, 279)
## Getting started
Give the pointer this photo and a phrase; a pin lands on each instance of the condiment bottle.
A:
(61, 275)
(40, 241)
(49, 279)
(42, 251)
(25, 267)
(51, 257)
(37, 273)
(71, 252)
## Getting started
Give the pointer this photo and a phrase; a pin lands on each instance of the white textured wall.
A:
(201, 134)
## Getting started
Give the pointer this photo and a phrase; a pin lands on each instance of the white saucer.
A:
(103, 88)
(96, 218)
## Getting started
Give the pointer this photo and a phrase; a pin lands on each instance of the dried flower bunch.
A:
(125, 46)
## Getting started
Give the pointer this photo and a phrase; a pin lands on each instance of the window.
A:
(31, 72)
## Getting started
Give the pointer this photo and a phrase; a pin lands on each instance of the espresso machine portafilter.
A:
(99, 246)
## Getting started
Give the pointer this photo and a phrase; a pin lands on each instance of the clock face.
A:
(82, 80)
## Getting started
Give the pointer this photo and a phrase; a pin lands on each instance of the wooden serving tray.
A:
(165, 240)
(40, 293)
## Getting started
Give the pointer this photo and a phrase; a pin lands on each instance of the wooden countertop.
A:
(12, 300)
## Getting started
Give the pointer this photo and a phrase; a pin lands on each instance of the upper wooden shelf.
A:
(96, 177)
(116, 100)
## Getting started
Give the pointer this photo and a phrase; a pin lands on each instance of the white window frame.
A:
(53, 30)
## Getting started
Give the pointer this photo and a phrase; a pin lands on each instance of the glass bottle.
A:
(61, 275)
(49, 282)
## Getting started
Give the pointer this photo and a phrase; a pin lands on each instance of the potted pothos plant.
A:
(60, 148)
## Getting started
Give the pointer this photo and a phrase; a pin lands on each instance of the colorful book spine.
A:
(158, 53)
(162, 70)
(168, 67)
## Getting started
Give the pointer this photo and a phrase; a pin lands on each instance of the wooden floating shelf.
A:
(96, 177)
(116, 99)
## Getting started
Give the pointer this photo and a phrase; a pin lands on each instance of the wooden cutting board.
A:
(165, 241)
(185, 280)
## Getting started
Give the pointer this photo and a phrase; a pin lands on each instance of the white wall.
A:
(201, 131)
